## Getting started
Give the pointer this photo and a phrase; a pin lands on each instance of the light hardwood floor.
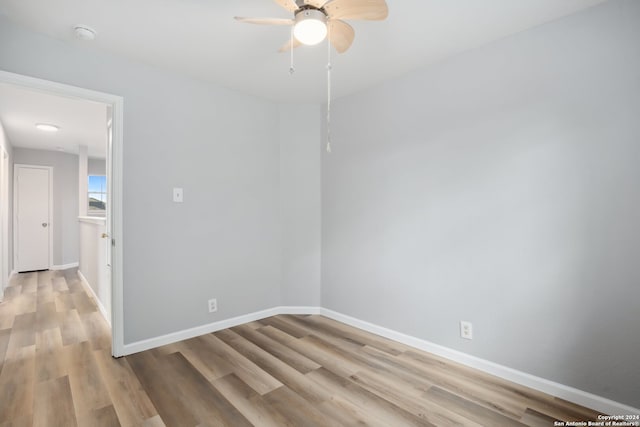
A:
(282, 371)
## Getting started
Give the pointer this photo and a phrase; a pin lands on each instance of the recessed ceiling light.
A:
(46, 127)
(84, 32)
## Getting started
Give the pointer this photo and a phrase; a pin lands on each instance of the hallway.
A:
(54, 344)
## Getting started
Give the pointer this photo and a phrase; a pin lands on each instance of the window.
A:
(97, 194)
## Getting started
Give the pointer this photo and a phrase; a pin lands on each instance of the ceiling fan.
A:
(314, 20)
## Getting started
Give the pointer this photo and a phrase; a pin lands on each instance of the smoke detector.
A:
(84, 32)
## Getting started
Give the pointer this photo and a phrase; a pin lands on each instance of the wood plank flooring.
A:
(56, 370)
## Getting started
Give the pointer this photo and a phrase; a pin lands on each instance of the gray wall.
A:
(500, 187)
(220, 146)
(97, 166)
(300, 203)
(65, 198)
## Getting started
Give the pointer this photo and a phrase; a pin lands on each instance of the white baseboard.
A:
(4, 285)
(598, 403)
(64, 266)
(186, 334)
(606, 406)
(213, 327)
(88, 288)
(299, 310)
(11, 274)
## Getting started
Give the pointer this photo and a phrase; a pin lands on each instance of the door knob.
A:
(104, 235)
(44, 224)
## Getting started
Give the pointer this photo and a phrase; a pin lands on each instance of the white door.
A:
(105, 269)
(109, 166)
(33, 223)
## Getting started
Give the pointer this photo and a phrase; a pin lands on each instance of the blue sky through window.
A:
(97, 192)
(97, 184)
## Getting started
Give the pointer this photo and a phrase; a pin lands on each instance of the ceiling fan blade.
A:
(341, 35)
(264, 21)
(287, 46)
(369, 10)
(316, 3)
(290, 5)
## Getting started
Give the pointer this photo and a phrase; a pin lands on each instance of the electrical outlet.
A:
(213, 305)
(466, 330)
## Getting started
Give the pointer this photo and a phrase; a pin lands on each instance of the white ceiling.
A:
(200, 38)
(81, 122)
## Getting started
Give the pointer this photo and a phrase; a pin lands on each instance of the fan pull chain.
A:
(291, 67)
(329, 66)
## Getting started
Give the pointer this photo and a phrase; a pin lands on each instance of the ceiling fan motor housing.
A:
(304, 14)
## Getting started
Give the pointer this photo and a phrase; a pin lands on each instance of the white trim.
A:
(170, 338)
(299, 310)
(589, 400)
(88, 288)
(117, 104)
(13, 273)
(117, 230)
(197, 331)
(93, 220)
(571, 394)
(64, 266)
(17, 166)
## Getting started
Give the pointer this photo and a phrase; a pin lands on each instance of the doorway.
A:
(32, 217)
(114, 210)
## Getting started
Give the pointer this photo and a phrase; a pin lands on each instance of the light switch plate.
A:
(177, 195)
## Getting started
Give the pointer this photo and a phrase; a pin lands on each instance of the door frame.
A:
(115, 210)
(16, 237)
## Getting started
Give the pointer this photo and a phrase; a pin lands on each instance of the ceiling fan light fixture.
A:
(310, 27)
